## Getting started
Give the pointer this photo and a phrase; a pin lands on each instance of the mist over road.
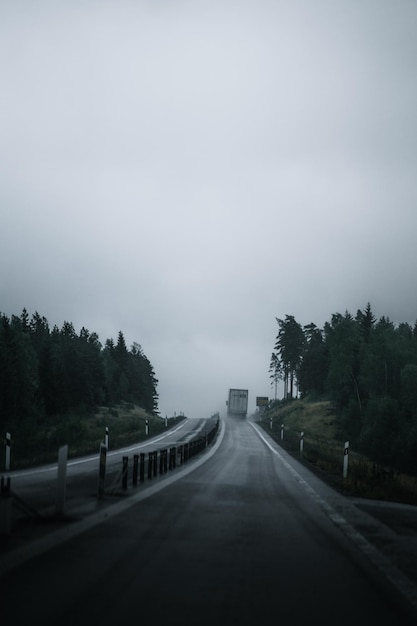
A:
(238, 540)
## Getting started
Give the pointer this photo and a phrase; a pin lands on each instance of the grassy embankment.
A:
(323, 452)
(84, 433)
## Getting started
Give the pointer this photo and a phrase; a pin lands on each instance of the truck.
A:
(237, 404)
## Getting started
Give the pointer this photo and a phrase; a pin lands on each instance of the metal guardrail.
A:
(146, 466)
(158, 462)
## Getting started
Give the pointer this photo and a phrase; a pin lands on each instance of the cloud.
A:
(186, 172)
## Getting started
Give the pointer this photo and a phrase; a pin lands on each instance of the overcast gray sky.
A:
(187, 171)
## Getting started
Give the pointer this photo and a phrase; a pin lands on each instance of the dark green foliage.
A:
(19, 378)
(408, 377)
(314, 362)
(289, 348)
(275, 372)
(343, 341)
(368, 369)
(45, 375)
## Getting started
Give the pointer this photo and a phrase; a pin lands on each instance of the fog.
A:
(186, 172)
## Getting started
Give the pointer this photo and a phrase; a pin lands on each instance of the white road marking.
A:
(90, 459)
(400, 581)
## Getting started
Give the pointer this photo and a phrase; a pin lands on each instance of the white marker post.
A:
(61, 481)
(8, 446)
(302, 442)
(106, 438)
(147, 427)
(166, 421)
(270, 423)
(346, 460)
(282, 431)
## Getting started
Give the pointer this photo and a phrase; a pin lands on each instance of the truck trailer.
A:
(237, 404)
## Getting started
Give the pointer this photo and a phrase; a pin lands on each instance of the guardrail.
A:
(157, 462)
(145, 466)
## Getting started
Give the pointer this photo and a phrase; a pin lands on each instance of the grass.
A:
(323, 452)
(316, 417)
(83, 434)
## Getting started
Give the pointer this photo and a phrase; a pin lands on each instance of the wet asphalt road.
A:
(239, 539)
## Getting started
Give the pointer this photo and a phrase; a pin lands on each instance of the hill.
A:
(323, 452)
(83, 432)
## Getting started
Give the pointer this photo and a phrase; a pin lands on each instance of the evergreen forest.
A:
(367, 368)
(48, 373)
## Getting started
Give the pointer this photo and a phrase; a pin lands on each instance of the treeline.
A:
(47, 372)
(367, 368)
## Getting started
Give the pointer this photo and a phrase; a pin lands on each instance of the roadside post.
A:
(61, 480)
(106, 438)
(142, 467)
(8, 446)
(166, 421)
(346, 459)
(125, 462)
(282, 431)
(102, 469)
(147, 427)
(135, 469)
(302, 442)
(150, 465)
(270, 423)
(5, 507)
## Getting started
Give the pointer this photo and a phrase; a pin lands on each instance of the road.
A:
(242, 536)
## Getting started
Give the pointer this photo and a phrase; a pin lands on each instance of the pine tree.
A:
(289, 347)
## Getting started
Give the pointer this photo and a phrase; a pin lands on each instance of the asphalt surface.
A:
(254, 528)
